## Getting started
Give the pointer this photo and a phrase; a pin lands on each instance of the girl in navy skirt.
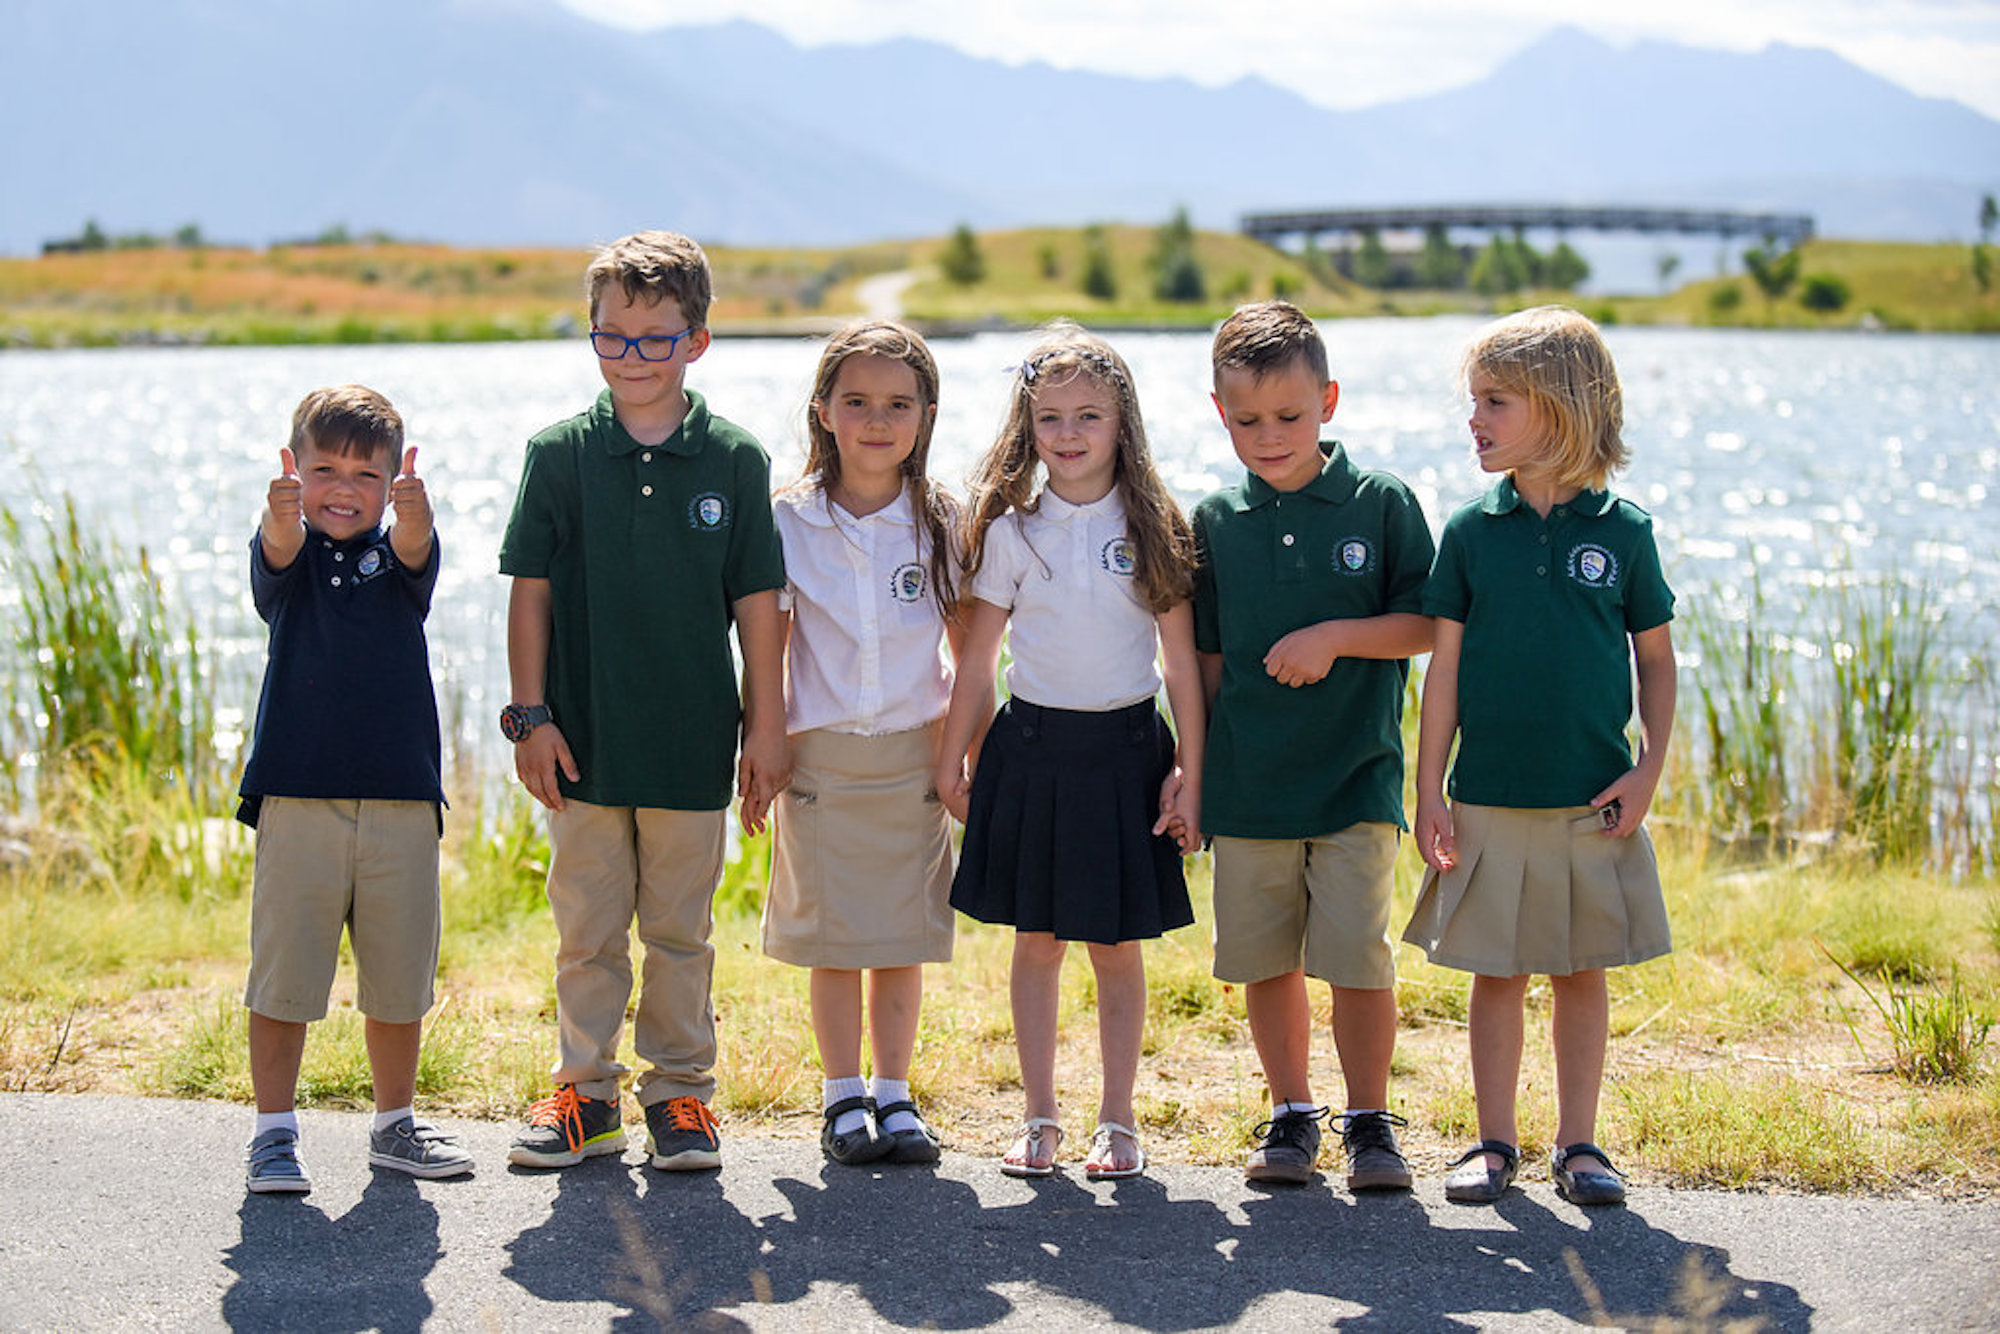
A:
(1082, 802)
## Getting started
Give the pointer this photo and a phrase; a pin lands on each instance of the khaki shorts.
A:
(368, 866)
(1319, 903)
(860, 854)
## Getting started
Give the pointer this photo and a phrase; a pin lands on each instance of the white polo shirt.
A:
(867, 651)
(1080, 635)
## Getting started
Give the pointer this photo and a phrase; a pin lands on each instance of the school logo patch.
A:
(708, 511)
(907, 583)
(1353, 555)
(1593, 566)
(1116, 556)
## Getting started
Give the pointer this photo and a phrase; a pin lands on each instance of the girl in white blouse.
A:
(1080, 802)
(861, 850)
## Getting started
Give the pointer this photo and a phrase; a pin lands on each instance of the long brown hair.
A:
(1162, 542)
(935, 509)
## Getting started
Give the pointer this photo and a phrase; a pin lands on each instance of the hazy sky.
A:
(1348, 53)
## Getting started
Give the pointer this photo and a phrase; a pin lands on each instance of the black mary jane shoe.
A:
(918, 1144)
(1586, 1187)
(859, 1147)
(1473, 1182)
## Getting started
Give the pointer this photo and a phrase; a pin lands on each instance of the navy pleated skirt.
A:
(1059, 836)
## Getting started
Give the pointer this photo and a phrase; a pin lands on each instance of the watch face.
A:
(516, 722)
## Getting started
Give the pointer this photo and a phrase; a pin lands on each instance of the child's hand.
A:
(1180, 811)
(537, 760)
(1433, 832)
(1302, 657)
(1626, 802)
(283, 528)
(953, 789)
(411, 534)
(762, 772)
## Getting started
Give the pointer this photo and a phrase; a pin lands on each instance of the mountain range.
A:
(519, 121)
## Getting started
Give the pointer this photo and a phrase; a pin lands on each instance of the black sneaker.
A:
(682, 1136)
(1287, 1148)
(1374, 1162)
(566, 1128)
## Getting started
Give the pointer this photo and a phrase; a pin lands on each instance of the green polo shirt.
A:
(1285, 762)
(645, 549)
(1545, 673)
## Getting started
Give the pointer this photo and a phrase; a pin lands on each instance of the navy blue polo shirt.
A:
(347, 709)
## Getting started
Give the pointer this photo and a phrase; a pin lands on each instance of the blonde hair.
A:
(1264, 338)
(1162, 542)
(934, 506)
(348, 419)
(1556, 359)
(651, 267)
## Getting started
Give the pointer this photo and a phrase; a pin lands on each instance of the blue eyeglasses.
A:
(652, 347)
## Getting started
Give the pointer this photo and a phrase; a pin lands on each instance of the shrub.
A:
(1824, 292)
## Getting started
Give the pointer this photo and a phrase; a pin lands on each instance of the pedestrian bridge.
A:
(1785, 229)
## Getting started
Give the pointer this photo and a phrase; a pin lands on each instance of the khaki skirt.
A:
(860, 854)
(1541, 891)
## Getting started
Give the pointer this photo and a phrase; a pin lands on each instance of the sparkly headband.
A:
(1103, 367)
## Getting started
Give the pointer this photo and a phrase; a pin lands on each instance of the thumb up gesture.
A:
(411, 533)
(284, 525)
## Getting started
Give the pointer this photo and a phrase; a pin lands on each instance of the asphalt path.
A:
(123, 1213)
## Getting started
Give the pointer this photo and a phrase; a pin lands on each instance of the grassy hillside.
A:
(357, 293)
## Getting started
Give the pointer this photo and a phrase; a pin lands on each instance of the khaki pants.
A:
(610, 866)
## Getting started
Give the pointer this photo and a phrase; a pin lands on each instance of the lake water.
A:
(1797, 457)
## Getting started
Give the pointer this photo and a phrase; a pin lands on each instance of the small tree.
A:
(1440, 264)
(1498, 269)
(1773, 270)
(1982, 262)
(1566, 269)
(1372, 267)
(1824, 292)
(961, 262)
(1665, 264)
(1100, 278)
(1177, 273)
(1049, 261)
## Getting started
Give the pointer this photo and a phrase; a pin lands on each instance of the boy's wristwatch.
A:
(518, 720)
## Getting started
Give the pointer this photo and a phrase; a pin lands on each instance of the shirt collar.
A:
(1503, 498)
(818, 509)
(1336, 484)
(686, 440)
(1057, 510)
(359, 542)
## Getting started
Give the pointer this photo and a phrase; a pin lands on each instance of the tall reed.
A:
(1744, 689)
(115, 671)
(1881, 763)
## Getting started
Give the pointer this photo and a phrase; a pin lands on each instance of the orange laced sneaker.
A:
(565, 1128)
(682, 1136)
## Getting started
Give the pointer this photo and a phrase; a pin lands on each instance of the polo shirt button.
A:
(1544, 539)
(335, 581)
(1288, 539)
(645, 490)
(1542, 570)
(340, 555)
(645, 458)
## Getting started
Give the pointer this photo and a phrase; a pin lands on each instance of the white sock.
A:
(383, 1120)
(1302, 1108)
(287, 1120)
(838, 1090)
(886, 1091)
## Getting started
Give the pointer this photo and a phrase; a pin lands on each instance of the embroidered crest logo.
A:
(370, 562)
(1116, 557)
(1593, 567)
(708, 511)
(907, 583)
(1353, 556)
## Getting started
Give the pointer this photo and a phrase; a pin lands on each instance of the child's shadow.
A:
(669, 1256)
(298, 1269)
(1413, 1267)
(899, 1238)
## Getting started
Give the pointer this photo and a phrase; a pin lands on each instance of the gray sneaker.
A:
(1374, 1162)
(1287, 1148)
(274, 1166)
(418, 1148)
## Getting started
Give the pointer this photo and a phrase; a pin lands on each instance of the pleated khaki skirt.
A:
(1541, 891)
(860, 854)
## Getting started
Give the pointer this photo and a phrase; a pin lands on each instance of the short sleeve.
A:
(534, 529)
(1207, 624)
(1446, 592)
(998, 579)
(756, 562)
(1411, 554)
(1649, 602)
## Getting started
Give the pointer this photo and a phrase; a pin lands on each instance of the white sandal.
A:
(1031, 1132)
(1101, 1153)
